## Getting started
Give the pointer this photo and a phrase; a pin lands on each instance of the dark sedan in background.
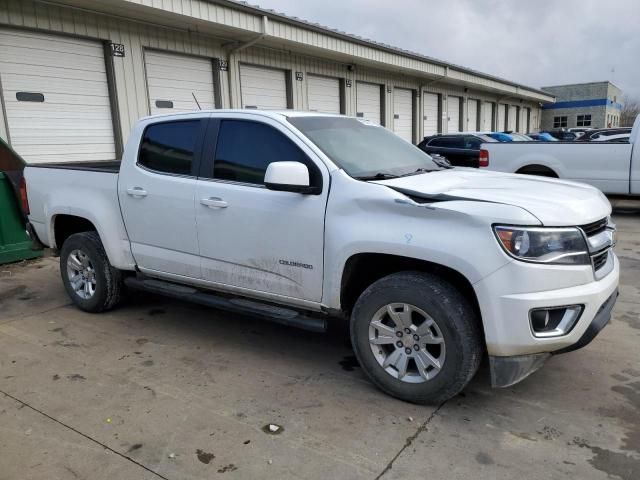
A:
(462, 150)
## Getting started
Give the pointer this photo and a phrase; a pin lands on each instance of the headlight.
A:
(563, 246)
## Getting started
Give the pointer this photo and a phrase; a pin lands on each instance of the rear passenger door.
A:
(252, 238)
(156, 193)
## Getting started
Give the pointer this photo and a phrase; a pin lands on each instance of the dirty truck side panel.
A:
(89, 195)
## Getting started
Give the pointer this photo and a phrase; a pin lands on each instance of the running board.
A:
(281, 315)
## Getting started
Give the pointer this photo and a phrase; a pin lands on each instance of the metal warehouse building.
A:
(76, 74)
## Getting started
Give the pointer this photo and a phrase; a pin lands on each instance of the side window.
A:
(245, 149)
(447, 142)
(456, 142)
(170, 147)
(472, 143)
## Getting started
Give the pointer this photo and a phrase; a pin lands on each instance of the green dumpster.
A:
(15, 245)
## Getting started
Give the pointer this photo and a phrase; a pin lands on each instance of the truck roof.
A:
(263, 113)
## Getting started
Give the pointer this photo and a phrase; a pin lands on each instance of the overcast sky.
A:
(534, 42)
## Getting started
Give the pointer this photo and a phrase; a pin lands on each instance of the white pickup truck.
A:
(298, 216)
(614, 168)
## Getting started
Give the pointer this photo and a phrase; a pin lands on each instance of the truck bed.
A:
(607, 166)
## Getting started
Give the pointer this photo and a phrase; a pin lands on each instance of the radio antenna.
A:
(197, 103)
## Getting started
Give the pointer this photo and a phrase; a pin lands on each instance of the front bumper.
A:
(506, 371)
(505, 311)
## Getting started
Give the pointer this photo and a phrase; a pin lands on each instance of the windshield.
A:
(363, 149)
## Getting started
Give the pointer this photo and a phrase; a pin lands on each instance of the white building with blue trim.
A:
(595, 105)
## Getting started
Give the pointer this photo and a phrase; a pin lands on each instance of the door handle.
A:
(137, 192)
(214, 202)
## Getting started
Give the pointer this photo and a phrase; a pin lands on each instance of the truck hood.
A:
(554, 202)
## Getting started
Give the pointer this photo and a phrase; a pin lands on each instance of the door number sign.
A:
(117, 49)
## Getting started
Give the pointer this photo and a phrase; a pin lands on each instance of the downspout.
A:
(241, 46)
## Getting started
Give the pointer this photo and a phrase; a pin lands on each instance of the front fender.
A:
(375, 219)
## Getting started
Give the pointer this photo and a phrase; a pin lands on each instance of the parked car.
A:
(460, 149)
(614, 168)
(519, 137)
(579, 131)
(619, 138)
(500, 137)
(542, 137)
(563, 135)
(600, 133)
(324, 215)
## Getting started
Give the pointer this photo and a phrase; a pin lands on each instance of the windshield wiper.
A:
(377, 176)
(419, 171)
(441, 161)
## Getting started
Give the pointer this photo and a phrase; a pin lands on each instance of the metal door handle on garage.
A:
(137, 192)
(214, 202)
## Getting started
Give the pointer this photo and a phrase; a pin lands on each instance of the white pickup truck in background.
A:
(299, 216)
(614, 168)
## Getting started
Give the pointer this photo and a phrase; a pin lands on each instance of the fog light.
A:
(554, 321)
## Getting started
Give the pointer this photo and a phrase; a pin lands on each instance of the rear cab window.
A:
(171, 147)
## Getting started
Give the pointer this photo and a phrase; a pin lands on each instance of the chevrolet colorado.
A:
(299, 216)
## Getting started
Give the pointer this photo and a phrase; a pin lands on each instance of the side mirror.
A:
(288, 177)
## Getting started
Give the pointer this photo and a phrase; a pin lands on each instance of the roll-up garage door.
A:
(56, 97)
(430, 113)
(511, 118)
(453, 111)
(173, 80)
(323, 94)
(263, 88)
(403, 113)
(368, 102)
(524, 120)
(472, 115)
(534, 125)
(502, 113)
(487, 117)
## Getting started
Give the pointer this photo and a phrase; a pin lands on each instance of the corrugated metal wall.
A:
(129, 72)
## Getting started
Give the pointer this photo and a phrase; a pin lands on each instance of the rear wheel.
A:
(91, 282)
(416, 337)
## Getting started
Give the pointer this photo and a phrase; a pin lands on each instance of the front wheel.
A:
(416, 337)
(90, 280)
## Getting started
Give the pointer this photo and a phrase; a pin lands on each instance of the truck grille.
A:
(599, 260)
(600, 244)
(594, 228)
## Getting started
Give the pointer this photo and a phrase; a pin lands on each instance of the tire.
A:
(85, 251)
(455, 342)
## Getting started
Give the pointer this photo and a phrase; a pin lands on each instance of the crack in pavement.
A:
(410, 440)
(24, 404)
